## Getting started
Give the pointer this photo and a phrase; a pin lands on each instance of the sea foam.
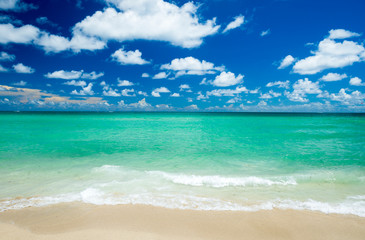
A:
(180, 201)
(220, 181)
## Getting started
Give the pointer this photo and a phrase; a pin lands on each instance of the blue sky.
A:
(160, 55)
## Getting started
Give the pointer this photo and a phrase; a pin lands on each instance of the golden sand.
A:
(83, 221)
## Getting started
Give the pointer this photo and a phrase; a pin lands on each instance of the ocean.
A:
(199, 161)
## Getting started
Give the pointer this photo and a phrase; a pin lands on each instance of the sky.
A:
(162, 55)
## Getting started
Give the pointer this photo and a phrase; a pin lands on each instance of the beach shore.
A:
(84, 221)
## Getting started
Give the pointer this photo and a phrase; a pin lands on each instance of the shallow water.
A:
(206, 161)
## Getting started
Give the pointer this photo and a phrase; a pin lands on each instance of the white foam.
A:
(96, 196)
(219, 181)
(107, 168)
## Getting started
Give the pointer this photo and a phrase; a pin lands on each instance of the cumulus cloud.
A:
(331, 54)
(75, 83)
(68, 75)
(85, 90)
(145, 75)
(331, 77)
(24, 34)
(109, 92)
(226, 79)
(184, 87)
(4, 56)
(28, 34)
(175, 95)
(21, 83)
(128, 93)
(92, 76)
(226, 92)
(191, 66)
(129, 58)
(301, 88)
(270, 94)
(55, 43)
(341, 34)
(140, 104)
(287, 61)
(279, 84)
(142, 93)
(21, 68)
(156, 92)
(141, 19)
(161, 75)
(237, 22)
(16, 5)
(124, 83)
(355, 81)
(354, 98)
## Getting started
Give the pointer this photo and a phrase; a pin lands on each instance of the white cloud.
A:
(109, 92)
(226, 79)
(191, 66)
(92, 76)
(15, 5)
(354, 98)
(126, 93)
(175, 95)
(85, 90)
(287, 61)
(55, 43)
(129, 58)
(279, 84)
(355, 81)
(262, 103)
(140, 104)
(331, 54)
(270, 94)
(64, 74)
(301, 89)
(331, 77)
(148, 20)
(29, 34)
(192, 107)
(21, 83)
(24, 34)
(184, 87)
(3, 69)
(124, 83)
(145, 75)
(264, 33)
(238, 21)
(75, 83)
(21, 68)
(156, 92)
(142, 93)
(341, 34)
(4, 56)
(226, 92)
(68, 75)
(161, 75)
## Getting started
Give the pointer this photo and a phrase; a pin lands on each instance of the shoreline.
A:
(86, 221)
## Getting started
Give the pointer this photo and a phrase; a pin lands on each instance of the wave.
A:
(353, 206)
(220, 181)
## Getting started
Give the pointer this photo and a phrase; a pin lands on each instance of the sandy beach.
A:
(84, 221)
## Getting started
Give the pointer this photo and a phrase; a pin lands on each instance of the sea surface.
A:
(200, 161)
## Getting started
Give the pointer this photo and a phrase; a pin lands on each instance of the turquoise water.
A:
(203, 161)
